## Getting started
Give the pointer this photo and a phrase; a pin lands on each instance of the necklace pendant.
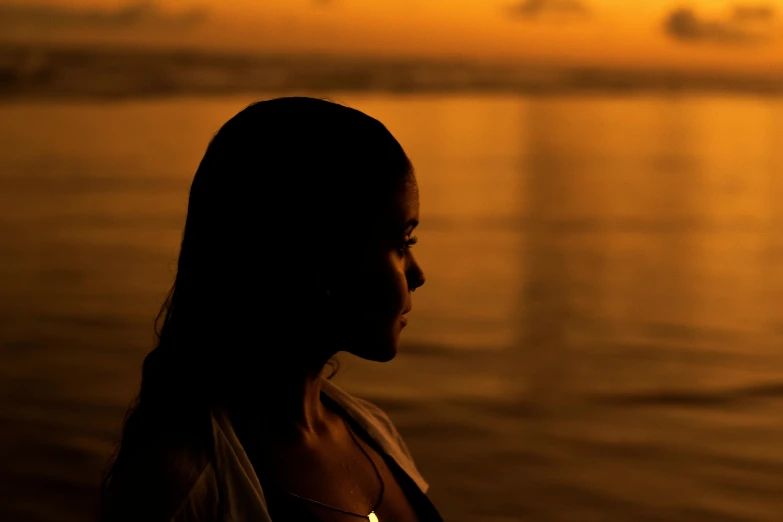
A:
(372, 517)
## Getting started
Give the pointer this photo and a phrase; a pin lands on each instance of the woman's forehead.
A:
(406, 203)
(399, 211)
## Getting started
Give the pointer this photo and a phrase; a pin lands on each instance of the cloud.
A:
(538, 8)
(685, 25)
(754, 13)
(47, 16)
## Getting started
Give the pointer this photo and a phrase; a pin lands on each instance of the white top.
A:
(234, 494)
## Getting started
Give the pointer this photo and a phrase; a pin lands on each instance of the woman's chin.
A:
(383, 350)
(385, 356)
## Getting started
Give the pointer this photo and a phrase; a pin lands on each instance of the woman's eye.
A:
(409, 242)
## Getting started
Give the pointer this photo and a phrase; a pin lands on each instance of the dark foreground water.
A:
(599, 338)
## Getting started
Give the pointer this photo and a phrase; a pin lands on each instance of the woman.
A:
(296, 246)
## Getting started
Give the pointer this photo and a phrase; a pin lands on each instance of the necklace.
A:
(372, 517)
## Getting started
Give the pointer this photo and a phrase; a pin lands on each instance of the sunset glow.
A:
(714, 34)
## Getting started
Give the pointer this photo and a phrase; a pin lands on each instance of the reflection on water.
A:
(598, 338)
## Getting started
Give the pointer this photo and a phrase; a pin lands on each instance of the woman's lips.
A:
(403, 318)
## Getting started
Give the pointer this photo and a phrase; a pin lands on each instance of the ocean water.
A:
(599, 338)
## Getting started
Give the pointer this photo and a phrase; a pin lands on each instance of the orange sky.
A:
(623, 32)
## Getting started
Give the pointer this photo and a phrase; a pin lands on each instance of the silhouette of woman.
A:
(296, 246)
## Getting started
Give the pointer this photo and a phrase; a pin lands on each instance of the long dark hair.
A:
(278, 189)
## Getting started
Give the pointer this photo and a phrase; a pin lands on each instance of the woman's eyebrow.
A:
(411, 223)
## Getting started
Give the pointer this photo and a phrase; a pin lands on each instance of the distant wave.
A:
(525, 221)
(39, 71)
(696, 398)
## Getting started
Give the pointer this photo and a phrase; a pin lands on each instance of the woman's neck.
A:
(286, 405)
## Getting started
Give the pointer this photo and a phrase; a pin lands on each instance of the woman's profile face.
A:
(372, 307)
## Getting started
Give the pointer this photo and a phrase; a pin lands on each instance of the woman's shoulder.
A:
(360, 406)
(167, 480)
(375, 412)
(377, 423)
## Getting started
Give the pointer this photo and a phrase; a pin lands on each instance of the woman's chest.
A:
(343, 486)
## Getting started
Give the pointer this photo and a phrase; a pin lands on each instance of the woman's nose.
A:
(417, 278)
